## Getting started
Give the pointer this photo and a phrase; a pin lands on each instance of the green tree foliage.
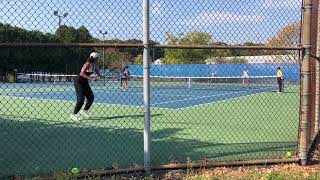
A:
(178, 56)
(83, 35)
(117, 59)
(67, 34)
(190, 56)
(156, 53)
(228, 60)
(75, 57)
(61, 60)
(58, 60)
(138, 59)
(250, 52)
(70, 59)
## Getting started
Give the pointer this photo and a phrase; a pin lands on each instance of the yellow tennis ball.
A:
(289, 154)
(75, 170)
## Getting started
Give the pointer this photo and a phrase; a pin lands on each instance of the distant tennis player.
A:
(245, 77)
(280, 79)
(124, 78)
(82, 87)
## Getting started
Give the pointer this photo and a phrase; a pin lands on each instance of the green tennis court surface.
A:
(37, 135)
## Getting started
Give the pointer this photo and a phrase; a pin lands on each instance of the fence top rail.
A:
(119, 45)
(228, 47)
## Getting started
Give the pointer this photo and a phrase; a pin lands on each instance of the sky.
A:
(229, 21)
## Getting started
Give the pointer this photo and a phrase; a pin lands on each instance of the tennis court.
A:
(117, 123)
(181, 107)
(167, 92)
(215, 68)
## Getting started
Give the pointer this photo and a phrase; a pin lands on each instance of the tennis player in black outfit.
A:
(83, 89)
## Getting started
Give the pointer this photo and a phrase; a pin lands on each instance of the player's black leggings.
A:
(83, 90)
(280, 84)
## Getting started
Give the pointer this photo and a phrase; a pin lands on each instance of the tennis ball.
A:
(75, 170)
(289, 154)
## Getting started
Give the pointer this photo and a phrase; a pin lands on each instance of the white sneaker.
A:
(86, 113)
(75, 117)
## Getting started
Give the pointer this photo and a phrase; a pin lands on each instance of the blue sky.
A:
(234, 21)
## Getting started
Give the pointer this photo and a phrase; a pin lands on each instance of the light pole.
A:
(103, 39)
(56, 13)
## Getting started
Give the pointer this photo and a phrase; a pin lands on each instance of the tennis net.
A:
(229, 83)
(44, 77)
(208, 83)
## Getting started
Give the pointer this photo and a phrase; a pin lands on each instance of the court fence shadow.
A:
(37, 147)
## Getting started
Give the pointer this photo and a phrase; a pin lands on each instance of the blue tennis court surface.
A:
(161, 98)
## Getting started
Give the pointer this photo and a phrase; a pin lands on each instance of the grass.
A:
(37, 136)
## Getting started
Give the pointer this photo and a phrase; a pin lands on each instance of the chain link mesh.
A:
(206, 104)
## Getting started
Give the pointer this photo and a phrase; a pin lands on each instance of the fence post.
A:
(146, 85)
(314, 72)
(304, 142)
(317, 68)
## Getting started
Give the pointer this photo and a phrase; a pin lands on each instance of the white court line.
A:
(160, 94)
(200, 97)
(188, 107)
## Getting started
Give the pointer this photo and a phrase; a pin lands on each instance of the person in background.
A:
(124, 78)
(245, 76)
(280, 79)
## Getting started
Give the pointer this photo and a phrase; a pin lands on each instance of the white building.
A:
(157, 62)
(259, 59)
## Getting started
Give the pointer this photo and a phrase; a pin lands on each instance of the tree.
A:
(72, 56)
(116, 58)
(67, 34)
(287, 36)
(138, 59)
(83, 35)
(133, 51)
(44, 59)
(178, 56)
(156, 53)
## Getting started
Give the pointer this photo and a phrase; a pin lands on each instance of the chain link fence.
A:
(224, 83)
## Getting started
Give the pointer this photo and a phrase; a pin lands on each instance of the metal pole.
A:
(103, 57)
(59, 21)
(306, 85)
(146, 85)
(103, 61)
(56, 13)
(103, 67)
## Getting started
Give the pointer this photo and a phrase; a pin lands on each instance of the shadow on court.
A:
(38, 146)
